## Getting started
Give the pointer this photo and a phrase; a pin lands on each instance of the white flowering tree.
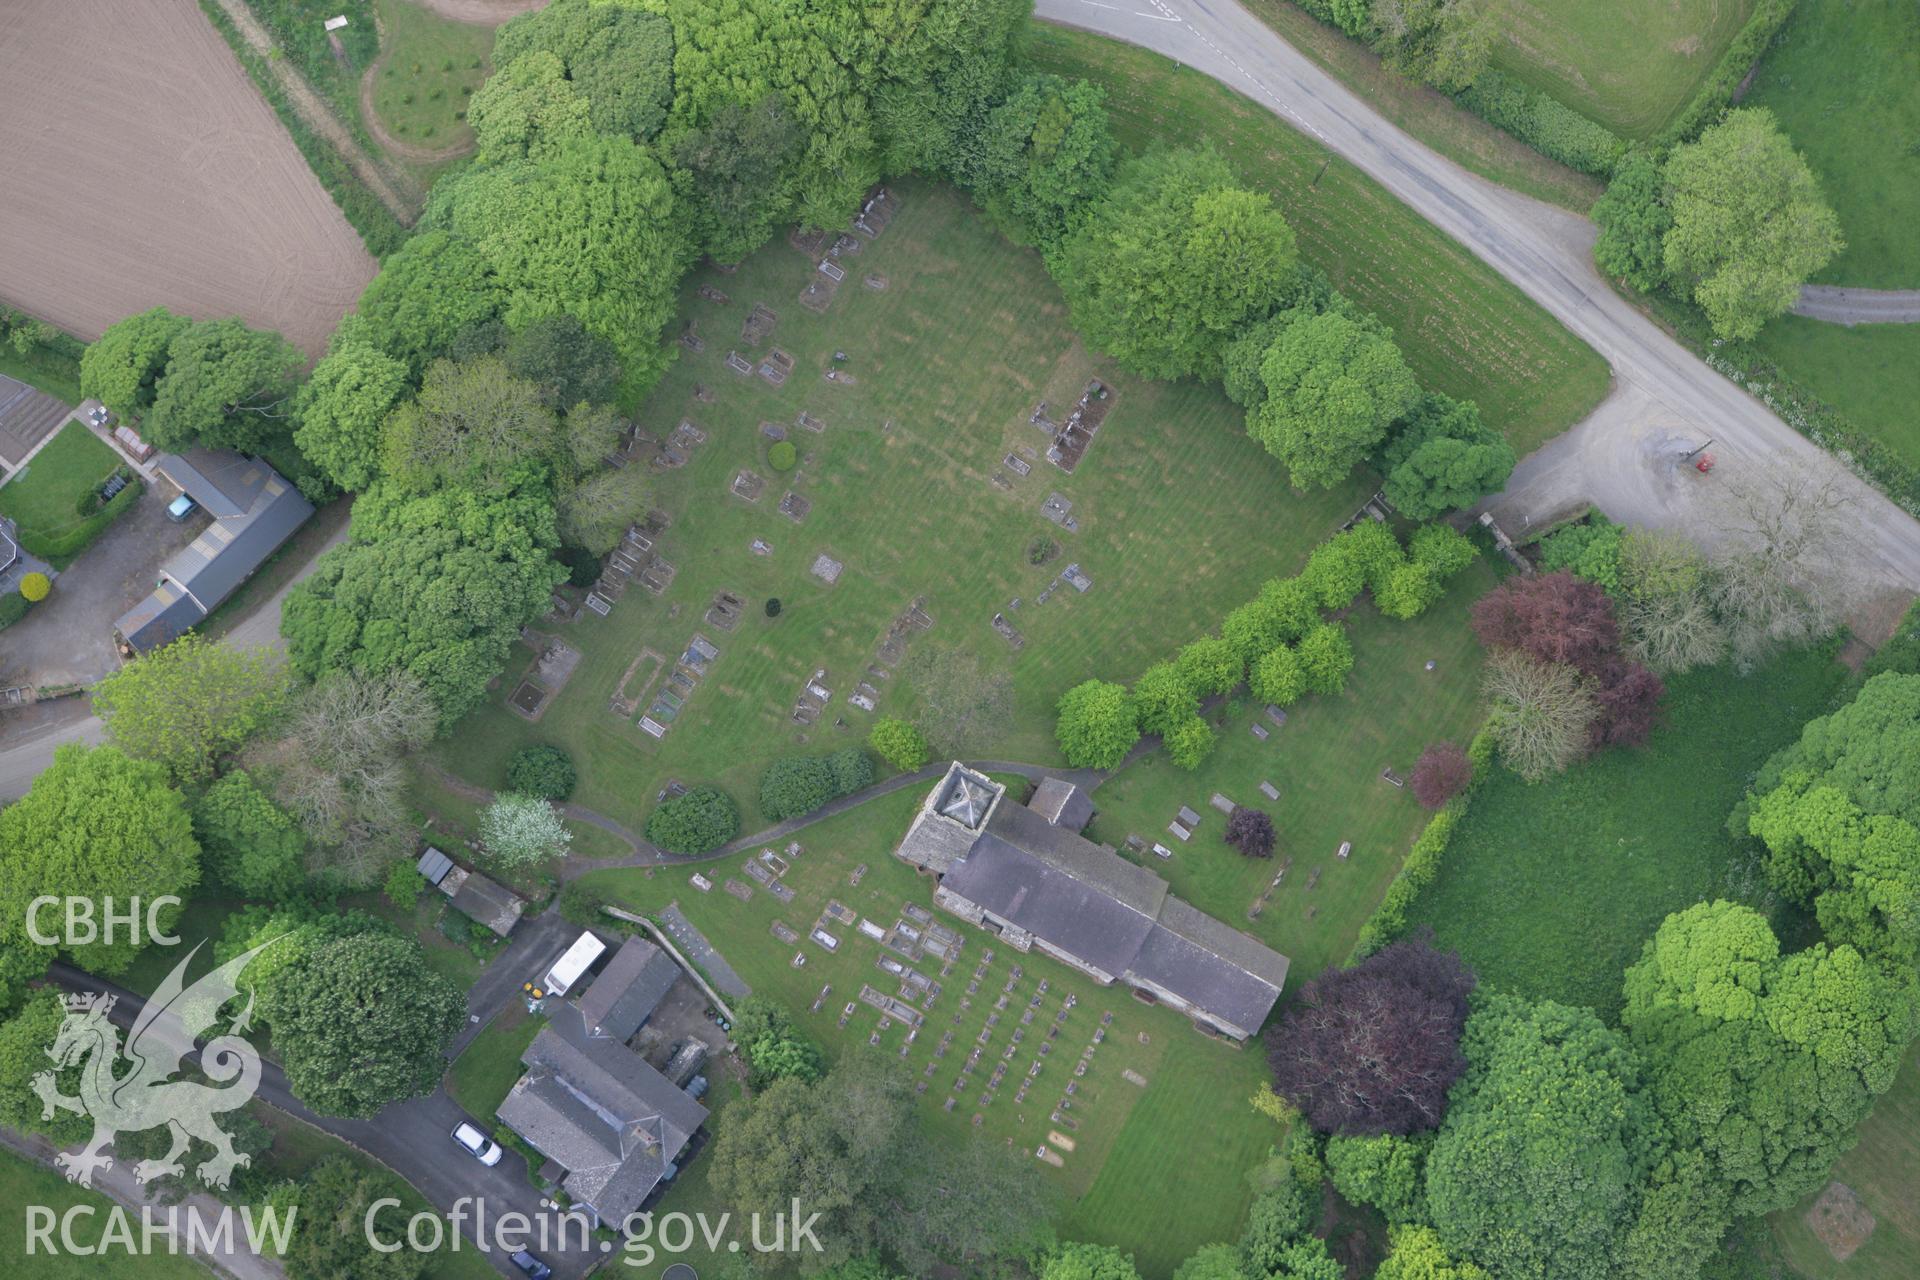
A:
(519, 831)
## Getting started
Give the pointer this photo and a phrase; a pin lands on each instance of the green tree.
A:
(430, 290)
(335, 1203)
(473, 425)
(519, 831)
(618, 58)
(1088, 1262)
(190, 702)
(1536, 1169)
(341, 409)
(526, 104)
(365, 1021)
(703, 819)
(1441, 549)
(1590, 551)
(1633, 218)
(225, 385)
(1278, 678)
(1407, 592)
(587, 227)
(1163, 699)
(1280, 1217)
(1417, 1254)
(1334, 385)
(544, 771)
(1097, 725)
(1213, 1262)
(569, 366)
(25, 1039)
(1441, 457)
(1765, 1062)
(248, 843)
(123, 366)
(1444, 43)
(899, 744)
(793, 785)
(1383, 1170)
(1209, 665)
(438, 585)
(96, 824)
(1189, 742)
(1326, 656)
(1839, 813)
(1048, 159)
(1750, 225)
(775, 1048)
(1170, 266)
(738, 171)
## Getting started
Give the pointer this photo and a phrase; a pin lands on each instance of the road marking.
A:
(1168, 15)
(1154, 17)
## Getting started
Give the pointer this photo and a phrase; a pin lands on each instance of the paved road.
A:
(411, 1138)
(1847, 306)
(27, 743)
(1663, 398)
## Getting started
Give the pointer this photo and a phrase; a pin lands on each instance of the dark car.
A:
(535, 1269)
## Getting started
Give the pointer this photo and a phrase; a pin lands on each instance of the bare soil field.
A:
(139, 167)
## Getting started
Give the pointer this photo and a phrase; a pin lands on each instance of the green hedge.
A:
(69, 543)
(382, 232)
(1716, 92)
(1544, 123)
(1389, 919)
(13, 607)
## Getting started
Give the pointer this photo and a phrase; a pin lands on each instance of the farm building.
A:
(254, 510)
(1033, 879)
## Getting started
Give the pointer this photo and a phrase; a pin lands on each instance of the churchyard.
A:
(906, 523)
(1018, 1048)
(1327, 763)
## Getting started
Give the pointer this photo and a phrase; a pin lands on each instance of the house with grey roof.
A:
(596, 1109)
(254, 508)
(1024, 871)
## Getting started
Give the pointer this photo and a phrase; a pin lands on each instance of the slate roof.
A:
(600, 1111)
(434, 865)
(1062, 803)
(489, 902)
(1051, 904)
(628, 990)
(255, 509)
(1086, 901)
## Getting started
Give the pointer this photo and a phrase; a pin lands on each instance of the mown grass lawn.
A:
(1630, 64)
(1881, 1172)
(1464, 329)
(1115, 1185)
(430, 67)
(1428, 114)
(24, 1182)
(1181, 517)
(1550, 889)
(1844, 81)
(1326, 762)
(44, 500)
(1869, 372)
(481, 1076)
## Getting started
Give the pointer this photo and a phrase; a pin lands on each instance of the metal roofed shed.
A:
(434, 865)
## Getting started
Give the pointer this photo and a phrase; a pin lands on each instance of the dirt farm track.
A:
(139, 167)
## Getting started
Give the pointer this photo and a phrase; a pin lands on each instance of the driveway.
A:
(1842, 305)
(1663, 395)
(68, 637)
(411, 1138)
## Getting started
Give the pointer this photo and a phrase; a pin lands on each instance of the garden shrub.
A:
(1590, 551)
(701, 820)
(782, 455)
(899, 744)
(34, 587)
(796, 785)
(403, 885)
(546, 772)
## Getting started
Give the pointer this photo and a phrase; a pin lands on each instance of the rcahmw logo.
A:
(132, 1089)
(83, 930)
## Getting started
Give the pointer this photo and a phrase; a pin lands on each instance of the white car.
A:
(477, 1144)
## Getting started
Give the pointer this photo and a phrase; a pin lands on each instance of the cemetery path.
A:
(1665, 401)
(646, 854)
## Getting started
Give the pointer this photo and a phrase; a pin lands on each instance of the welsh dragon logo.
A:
(162, 1035)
